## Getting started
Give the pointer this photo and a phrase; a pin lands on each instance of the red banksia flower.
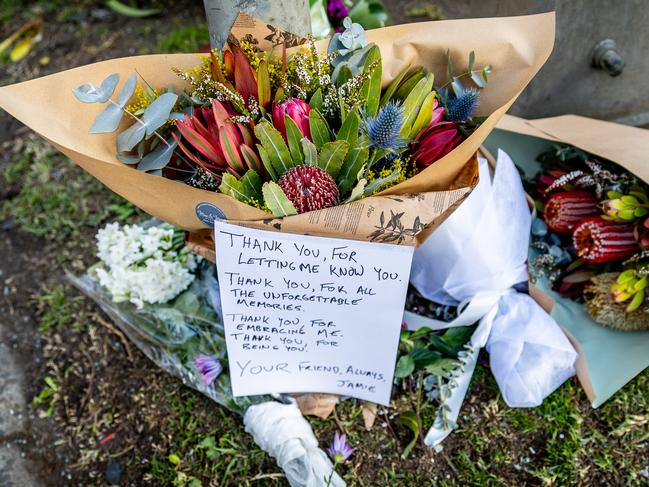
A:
(597, 240)
(435, 141)
(309, 188)
(297, 110)
(564, 210)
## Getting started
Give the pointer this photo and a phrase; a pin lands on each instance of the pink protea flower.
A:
(340, 450)
(435, 141)
(597, 240)
(297, 110)
(564, 210)
(438, 113)
(209, 367)
(309, 188)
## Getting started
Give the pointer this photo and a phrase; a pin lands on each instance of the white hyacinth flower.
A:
(143, 265)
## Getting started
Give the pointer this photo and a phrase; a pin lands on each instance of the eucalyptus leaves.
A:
(153, 151)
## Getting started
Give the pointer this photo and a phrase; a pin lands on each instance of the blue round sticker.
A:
(207, 213)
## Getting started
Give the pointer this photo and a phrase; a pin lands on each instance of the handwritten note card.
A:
(310, 314)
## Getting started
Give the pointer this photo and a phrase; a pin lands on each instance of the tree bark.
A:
(289, 15)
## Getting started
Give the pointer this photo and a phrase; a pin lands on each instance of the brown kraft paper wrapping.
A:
(516, 47)
(622, 144)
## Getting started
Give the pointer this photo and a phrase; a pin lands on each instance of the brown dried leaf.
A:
(369, 414)
(315, 404)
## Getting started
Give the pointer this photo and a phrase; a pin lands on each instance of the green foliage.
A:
(413, 105)
(276, 201)
(294, 137)
(378, 183)
(185, 39)
(370, 14)
(349, 129)
(355, 160)
(406, 74)
(247, 189)
(310, 152)
(405, 366)
(433, 352)
(452, 341)
(409, 420)
(147, 123)
(350, 59)
(316, 100)
(320, 132)
(128, 11)
(332, 155)
(479, 77)
(414, 76)
(274, 153)
(562, 152)
(371, 89)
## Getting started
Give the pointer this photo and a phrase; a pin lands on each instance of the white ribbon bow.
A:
(475, 257)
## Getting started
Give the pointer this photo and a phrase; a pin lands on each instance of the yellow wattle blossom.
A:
(250, 52)
(141, 99)
(254, 202)
(405, 168)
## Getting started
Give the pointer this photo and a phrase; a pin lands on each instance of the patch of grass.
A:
(562, 421)
(48, 396)
(12, 9)
(57, 309)
(208, 444)
(185, 39)
(523, 420)
(56, 197)
(476, 472)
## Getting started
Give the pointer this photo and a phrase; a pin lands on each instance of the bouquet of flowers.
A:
(181, 330)
(290, 134)
(158, 293)
(144, 265)
(586, 260)
(590, 236)
(259, 133)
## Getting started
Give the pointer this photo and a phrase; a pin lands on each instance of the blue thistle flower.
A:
(383, 130)
(463, 107)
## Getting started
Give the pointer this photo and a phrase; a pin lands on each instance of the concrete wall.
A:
(568, 83)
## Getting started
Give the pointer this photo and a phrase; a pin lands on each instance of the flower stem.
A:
(331, 475)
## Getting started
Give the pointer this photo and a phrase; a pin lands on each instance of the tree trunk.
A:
(289, 15)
